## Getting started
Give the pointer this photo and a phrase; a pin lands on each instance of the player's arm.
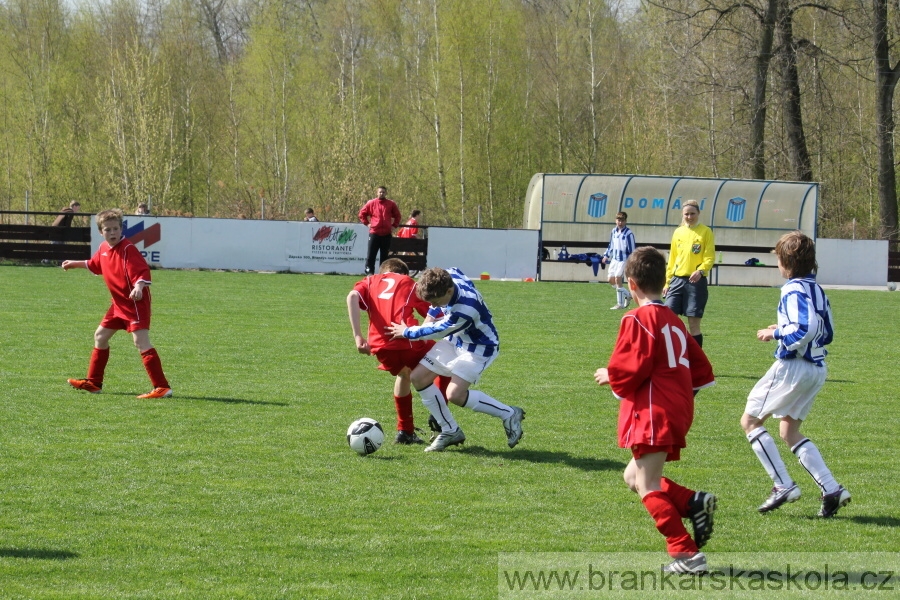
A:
(709, 251)
(137, 292)
(74, 264)
(353, 310)
(801, 327)
(434, 330)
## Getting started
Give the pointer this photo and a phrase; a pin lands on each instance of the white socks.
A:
(481, 402)
(434, 401)
(808, 455)
(805, 451)
(767, 453)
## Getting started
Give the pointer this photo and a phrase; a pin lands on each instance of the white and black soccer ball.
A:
(365, 436)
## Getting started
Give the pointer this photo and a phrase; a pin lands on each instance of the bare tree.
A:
(886, 77)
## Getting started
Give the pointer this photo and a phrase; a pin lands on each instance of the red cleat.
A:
(157, 393)
(85, 384)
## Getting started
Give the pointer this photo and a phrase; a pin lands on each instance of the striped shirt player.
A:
(789, 387)
(621, 245)
(467, 344)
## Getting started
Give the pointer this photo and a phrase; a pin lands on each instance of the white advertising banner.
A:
(199, 243)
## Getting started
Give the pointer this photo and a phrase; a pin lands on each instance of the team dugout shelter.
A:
(578, 211)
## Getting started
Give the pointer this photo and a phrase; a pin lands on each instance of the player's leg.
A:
(697, 296)
(423, 380)
(808, 455)
(152, 364)
(644, 475)
(771, 394)
(406, 431)
(97, 365)
(467, 369)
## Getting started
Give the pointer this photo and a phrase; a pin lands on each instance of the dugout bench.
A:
(729, 259)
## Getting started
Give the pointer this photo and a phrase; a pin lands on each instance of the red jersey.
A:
(654, 369)
(409, 229)
(122, 266)
(390, 298)
(381, 215)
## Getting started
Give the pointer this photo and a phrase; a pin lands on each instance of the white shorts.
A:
(786, 390)
(446, 359)
(615, 268)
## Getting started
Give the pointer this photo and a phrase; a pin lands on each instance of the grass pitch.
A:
(242, 485)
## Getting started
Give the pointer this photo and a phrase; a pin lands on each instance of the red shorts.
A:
(672, 452)
(394, 361)
(141, 321)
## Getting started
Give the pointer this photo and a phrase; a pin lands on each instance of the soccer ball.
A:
(365, 436)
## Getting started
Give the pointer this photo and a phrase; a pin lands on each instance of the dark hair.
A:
(646, 267)
(394, 265)
(310, 210)
(415, 213)
(434, 283)
(797, 254)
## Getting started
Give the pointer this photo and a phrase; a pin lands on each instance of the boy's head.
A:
(415, 213)
(621, 218)
(310, 211)
(394, 265)
(646, 267)
(113, 214)
(434, 284)
(796, 254)
(75, 205)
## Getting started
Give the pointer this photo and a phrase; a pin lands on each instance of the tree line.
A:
(261, 108)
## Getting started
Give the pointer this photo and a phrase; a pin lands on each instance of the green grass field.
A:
(242, 485)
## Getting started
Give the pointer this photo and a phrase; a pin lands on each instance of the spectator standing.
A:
(310, 215)
(142, 209)
(382, 216)
(411, 229)
(67, 214)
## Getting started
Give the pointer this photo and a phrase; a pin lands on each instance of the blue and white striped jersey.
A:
(621, 244)
(805, 324)
(465, 321)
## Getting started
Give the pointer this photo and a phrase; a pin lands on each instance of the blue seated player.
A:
(467, 344)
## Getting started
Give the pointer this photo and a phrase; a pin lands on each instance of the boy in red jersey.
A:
(655, 370)
(390, 297)
(128, 278)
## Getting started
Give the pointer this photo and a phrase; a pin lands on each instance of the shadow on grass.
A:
(37, 553)
(881, 521)
(549, 456)
(229, 400)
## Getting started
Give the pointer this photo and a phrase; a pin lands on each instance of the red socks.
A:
(154, 368)
(668, 522)
(679, 495)
(404, 413)
(97, 366)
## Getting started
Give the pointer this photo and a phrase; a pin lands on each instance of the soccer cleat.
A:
(695, 564)
(159, 392)
(407, 439)
(616, 307)
(513, 426)
(780, 496)
(833, 501)
(85, 384)
(700, 511)
(434, 427)
(446, 439)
